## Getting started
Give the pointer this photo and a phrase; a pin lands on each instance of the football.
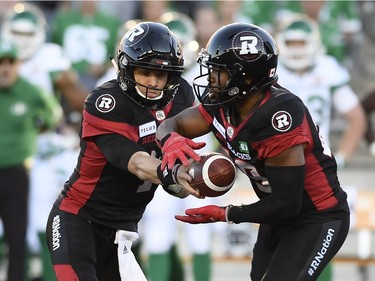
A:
(214, 175)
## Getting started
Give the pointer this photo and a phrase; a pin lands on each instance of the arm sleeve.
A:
(284, 202)
(117, 149)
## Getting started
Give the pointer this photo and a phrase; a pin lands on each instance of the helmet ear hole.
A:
(123, 61)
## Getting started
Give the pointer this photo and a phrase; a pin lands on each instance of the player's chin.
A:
(212, 95)
(153, 95)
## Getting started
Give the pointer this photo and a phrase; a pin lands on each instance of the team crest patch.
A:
(136, 34)
(247, 45)
(282, 121)
(105, 103)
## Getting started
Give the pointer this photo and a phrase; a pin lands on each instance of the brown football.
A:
(214, 175)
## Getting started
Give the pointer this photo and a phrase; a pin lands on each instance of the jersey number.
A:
(250, 170)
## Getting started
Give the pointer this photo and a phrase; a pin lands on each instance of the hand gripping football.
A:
(214, 175)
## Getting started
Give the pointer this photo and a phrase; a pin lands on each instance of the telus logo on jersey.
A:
(56, 235)
(147, 129)
(281, 121)
(105, 103)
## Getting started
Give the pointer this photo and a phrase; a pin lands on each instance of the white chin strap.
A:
(147, 98)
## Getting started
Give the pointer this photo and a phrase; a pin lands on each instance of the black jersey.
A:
(97, 190)
(279, 122)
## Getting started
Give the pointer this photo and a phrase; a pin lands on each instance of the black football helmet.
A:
(153, 46)
(243, 50)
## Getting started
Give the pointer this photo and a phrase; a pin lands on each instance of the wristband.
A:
(227, 208)
(167, 176)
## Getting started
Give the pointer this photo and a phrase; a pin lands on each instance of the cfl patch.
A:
(105, 103)
(282, 121)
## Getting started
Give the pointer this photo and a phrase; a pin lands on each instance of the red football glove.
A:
(206, 214)
(178, 147)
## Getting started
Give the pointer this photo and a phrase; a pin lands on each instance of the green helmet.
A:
(25, 25)
(299, 41)
(184, 28)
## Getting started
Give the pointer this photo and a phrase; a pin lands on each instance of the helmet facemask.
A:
(133, 88)
(213, 95)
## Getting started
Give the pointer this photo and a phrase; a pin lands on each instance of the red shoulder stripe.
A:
(93, 126)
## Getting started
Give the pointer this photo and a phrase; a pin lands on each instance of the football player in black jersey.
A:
(302, 210)
(94, 220)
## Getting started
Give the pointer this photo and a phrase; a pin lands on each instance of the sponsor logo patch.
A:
(56, 235)
(147, 129)
(243, 147)
(321, 253)
(219, 127)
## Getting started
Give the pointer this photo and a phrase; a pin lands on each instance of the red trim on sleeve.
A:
(65, 272)
(317, 186)
(275, 145)
(93, 126)
(205, 114)
(90, 172)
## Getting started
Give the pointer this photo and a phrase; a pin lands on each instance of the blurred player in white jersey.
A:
(45, 65)
(320, 81)
(322, 84)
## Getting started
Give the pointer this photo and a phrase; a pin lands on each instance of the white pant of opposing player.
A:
(47, 178)
(160, 230)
